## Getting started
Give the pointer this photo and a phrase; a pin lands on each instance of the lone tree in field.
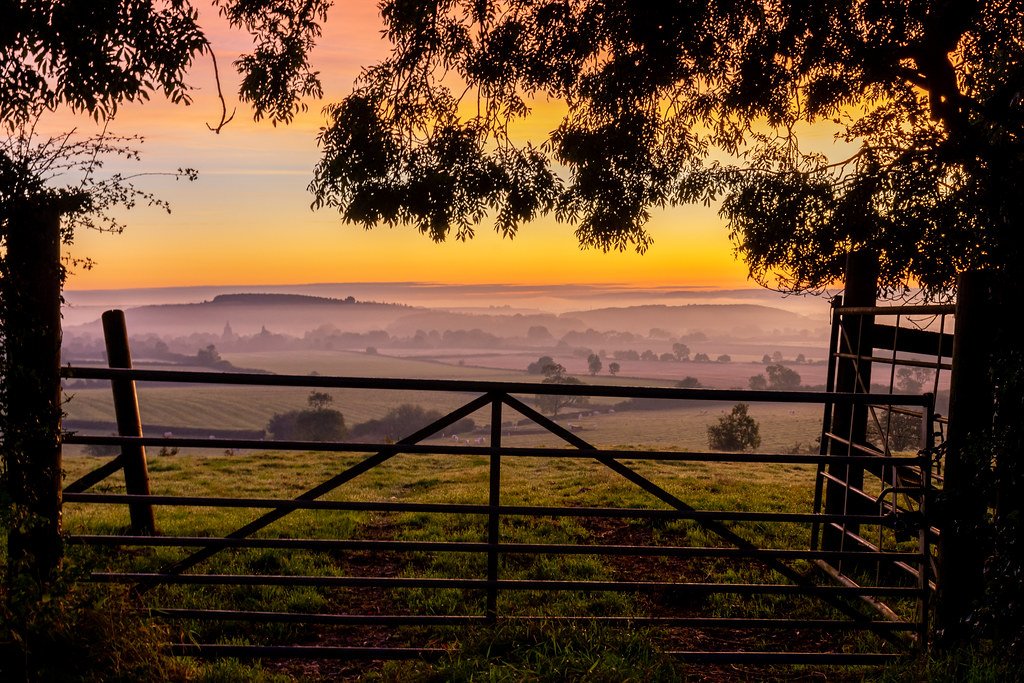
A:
(555, 373)
(594, 364)
(736, 431)
(776, 377)
(782, 378)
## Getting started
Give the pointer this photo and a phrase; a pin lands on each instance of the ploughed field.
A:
(603, 421)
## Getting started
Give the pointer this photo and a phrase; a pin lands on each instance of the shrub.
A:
(904, 431)
(318, 423)
(736, 431)
(537, 368)
(405, 420)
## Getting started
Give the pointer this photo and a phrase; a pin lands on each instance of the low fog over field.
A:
(668, 338)
(660, 335)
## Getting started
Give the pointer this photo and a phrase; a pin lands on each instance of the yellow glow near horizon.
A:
(247, 219)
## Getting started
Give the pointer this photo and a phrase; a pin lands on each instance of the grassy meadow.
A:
(463, 479)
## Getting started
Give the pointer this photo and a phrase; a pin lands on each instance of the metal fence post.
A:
(824, 442)
(129, 422)
(852, 376)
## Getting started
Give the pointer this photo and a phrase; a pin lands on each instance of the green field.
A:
(475, 651)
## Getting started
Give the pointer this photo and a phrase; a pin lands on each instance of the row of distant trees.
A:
(735, 431)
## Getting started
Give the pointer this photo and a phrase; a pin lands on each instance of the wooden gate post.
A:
(852, 376)
(967, 462)
(129, 422)
(31, 381)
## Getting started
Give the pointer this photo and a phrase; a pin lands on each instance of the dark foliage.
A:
(317, 423)
(404, 420)
(93, 56)
(308, 425)
(537, 368)
(927, 95)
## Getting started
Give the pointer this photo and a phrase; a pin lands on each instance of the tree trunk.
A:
(962, 546)
(31, 370)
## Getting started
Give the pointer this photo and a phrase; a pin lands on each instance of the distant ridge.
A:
(250, 312)
(277, 299)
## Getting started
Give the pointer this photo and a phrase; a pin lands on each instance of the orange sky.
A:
(247, 219)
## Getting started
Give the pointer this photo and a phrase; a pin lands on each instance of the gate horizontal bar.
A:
(915, 309)
(911, 340)
(505, 548)
(513, 451)
(483, 387)
(502, 584)
(311, 618)
(930, 364)
(731, 623)
(873, 552)
(211, 650)
(807, 658)
(469, 509)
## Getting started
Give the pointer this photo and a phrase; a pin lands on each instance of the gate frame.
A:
(496, 395)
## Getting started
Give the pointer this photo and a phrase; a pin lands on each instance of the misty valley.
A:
(733, 345)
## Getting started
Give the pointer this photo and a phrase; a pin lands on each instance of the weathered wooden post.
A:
(963, 511)
(32, 282)
(853, 375)
(129, 422)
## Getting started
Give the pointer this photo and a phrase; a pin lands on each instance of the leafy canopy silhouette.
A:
(929, 93)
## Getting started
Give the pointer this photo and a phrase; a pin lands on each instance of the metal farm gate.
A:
(882, 349)
(858, 579)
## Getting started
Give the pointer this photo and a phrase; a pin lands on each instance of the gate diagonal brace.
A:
(714, 527)
(327, 486)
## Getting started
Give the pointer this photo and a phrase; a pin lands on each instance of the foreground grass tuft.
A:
(544, 652)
